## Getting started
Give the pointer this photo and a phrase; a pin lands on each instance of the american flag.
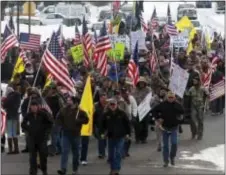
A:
(24, 57)
(52, 60)
(154, 20)
(103, 45)
(9, 41)
(153, 59)
(144, 25)
(77, 39)
(217, 90)
(45, 106)
(60, 37)
(87, 42)
(171, 29)
(133, 69)
(169, 17)
(11, 24)
(206, 77)
(30, 41)
(94, 42)
(3, 121)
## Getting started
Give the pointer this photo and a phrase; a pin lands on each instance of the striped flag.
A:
(217, 90)
(24, 57)
(87, 42)
(60, 37)
(116, 5)
(206, 77)
(103, 45)
(133, 69)
(3, 121)
(9, 41)
(143, 24)
(11, 24)
(45, 106)
(30, 41)
(154, 20)
(169, 17)
(52, 61)
(95, 54)
(153, 59)
(171, 29)
(77, 39)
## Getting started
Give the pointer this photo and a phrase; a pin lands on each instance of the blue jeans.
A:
(84, 147)
(73, 142)
(172, 135)
(55, 138)
(116, 147)
(11, 128)
(102, 143)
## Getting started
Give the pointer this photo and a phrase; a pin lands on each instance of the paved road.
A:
(144, 157)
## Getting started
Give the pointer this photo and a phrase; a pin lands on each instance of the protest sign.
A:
(140, 37)
(119, 39)
(144, 107)
(119, 51)
(178, 80)
(77, 53)
(179, 41)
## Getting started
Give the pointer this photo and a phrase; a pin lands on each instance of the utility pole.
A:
(18, 18)
(29, 16)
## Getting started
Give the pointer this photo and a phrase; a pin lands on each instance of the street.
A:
(144, 158)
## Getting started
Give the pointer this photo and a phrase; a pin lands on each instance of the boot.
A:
(10, 145)
(16, 146)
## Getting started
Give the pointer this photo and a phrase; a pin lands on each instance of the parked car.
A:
(34, 20)
(54, 18)
(162, 20)
(197, 25)
(185, 6)
(69, 11)
(190, 13)
(203, 4)
(220, 7)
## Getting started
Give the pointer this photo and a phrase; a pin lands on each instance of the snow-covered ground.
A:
(214, 155)
(207, 17)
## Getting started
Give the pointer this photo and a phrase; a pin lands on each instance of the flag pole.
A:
(36, 76)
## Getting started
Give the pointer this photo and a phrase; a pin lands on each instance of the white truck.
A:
(69, 11)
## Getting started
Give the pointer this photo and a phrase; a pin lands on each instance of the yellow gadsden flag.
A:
(86, 105)
(18, 68)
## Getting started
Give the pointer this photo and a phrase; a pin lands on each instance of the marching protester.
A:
(71, 119)
(100, 108)
(198, 96)
(115, 126)
(168, 115)
(47, 84)
(11, 105)
(37, 124)
(141, 127)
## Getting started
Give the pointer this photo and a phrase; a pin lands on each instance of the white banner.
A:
(140, 37)
(179, 41)
(178, 80)
(144, 107)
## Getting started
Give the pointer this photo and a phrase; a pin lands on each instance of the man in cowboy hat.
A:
(141, 128)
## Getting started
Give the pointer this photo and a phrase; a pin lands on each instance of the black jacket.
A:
(54, 104)
(12, 104)
(67, 120)
(38, 126)
(169, 112)
(115, 124)
(98, 115)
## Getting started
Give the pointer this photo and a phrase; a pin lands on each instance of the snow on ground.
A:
(214, 155)
(207, 17)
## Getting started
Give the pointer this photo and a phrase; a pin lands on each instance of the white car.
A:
(197, 25)
(54, 18)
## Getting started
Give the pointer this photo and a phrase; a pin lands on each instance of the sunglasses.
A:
(113, 104)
